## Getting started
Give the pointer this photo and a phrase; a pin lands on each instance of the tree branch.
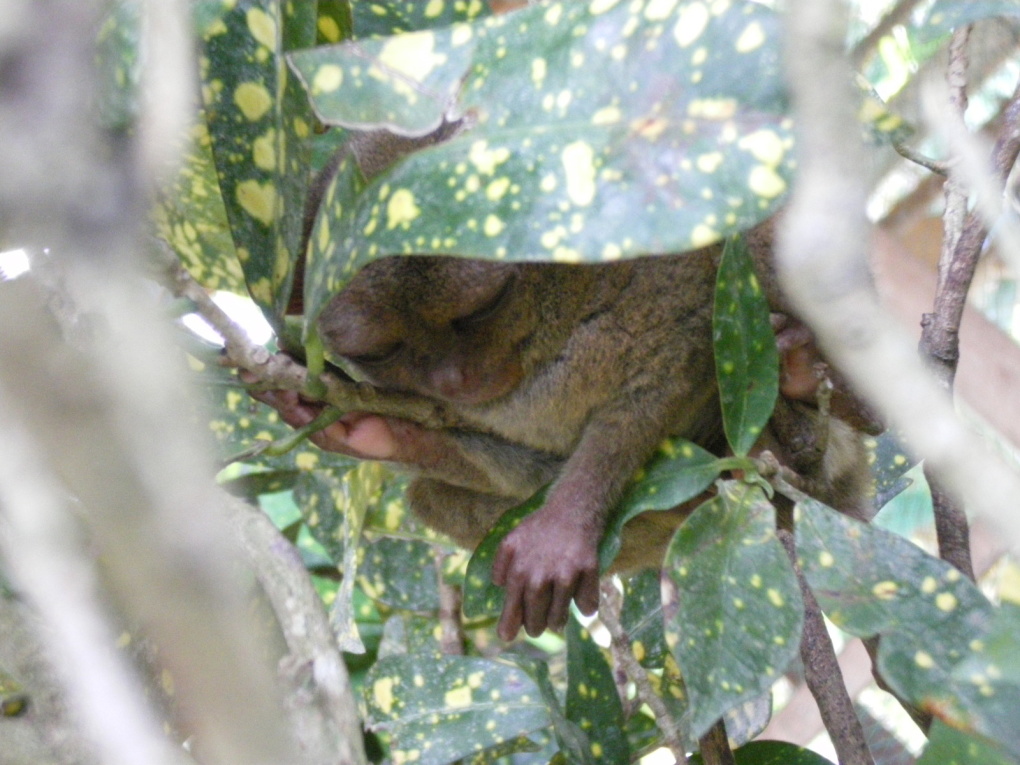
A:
(623, 653)
(280, 372)
(835, 294)
(823, 675)
(715, 746)
(323, 710)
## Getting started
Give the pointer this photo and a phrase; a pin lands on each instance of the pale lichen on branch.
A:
(278, 371)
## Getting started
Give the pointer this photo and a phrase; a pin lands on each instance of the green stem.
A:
(281, 446)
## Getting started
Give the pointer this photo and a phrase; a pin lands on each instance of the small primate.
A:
(567, 375)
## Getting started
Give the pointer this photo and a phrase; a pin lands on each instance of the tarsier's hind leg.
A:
(465, 515)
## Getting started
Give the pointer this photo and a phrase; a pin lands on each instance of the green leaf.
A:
(383, 17)
(772, 753)
(13, 698)
(678, 471)
(190, 217)
(746, 358)
(732, 603)
(881, 125)
(238, 421)
(593, 702)
(117, 64)
(334, 22)
(889, 466)
(401, 574)
(946, 15)
(947, 746)
(675, 119)
(251, 485)
(387, 17)
(481, 596)
(572, 742)
(405, 634)
(328, 268)
(439, 709)
(642, 618)
(333, 506)
(259, 121)
(944, 646)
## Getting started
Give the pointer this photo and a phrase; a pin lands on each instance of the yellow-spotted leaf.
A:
(333, 505)
(947, 746)
(746, 358)
(671, 114)
(189, 216)
(593, 703)
(388, 17)
(944, 646)
(676, 473)
(481, 596)
(400, 573)
(732, 603)
(334, 22)
(438, 710)
(259, 123)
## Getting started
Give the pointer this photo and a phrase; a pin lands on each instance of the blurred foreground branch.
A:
(834, 292)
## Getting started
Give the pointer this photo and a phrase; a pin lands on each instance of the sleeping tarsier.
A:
(566, 375)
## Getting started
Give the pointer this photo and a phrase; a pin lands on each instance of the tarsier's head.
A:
(444, 327)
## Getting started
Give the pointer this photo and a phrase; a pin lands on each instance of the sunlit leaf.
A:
(732, 603)
(189, 216)
(674, 116)
(259, 122)
(388, 17)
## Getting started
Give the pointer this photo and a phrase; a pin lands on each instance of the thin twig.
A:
(609, 615)
(940, 338)
(280, 372)
(323, 710)
(823, 676)
(939, 168)
(451, 629)
(715, 746)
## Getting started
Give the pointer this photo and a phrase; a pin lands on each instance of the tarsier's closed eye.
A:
(487, 309)
(377, 358)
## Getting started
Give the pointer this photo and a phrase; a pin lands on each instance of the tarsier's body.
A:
(566, 375)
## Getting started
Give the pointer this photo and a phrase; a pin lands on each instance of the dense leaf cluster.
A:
(599, 130)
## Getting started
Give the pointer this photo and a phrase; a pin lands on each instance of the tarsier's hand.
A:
(355, 434)
(802, 368)
(544, 563)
